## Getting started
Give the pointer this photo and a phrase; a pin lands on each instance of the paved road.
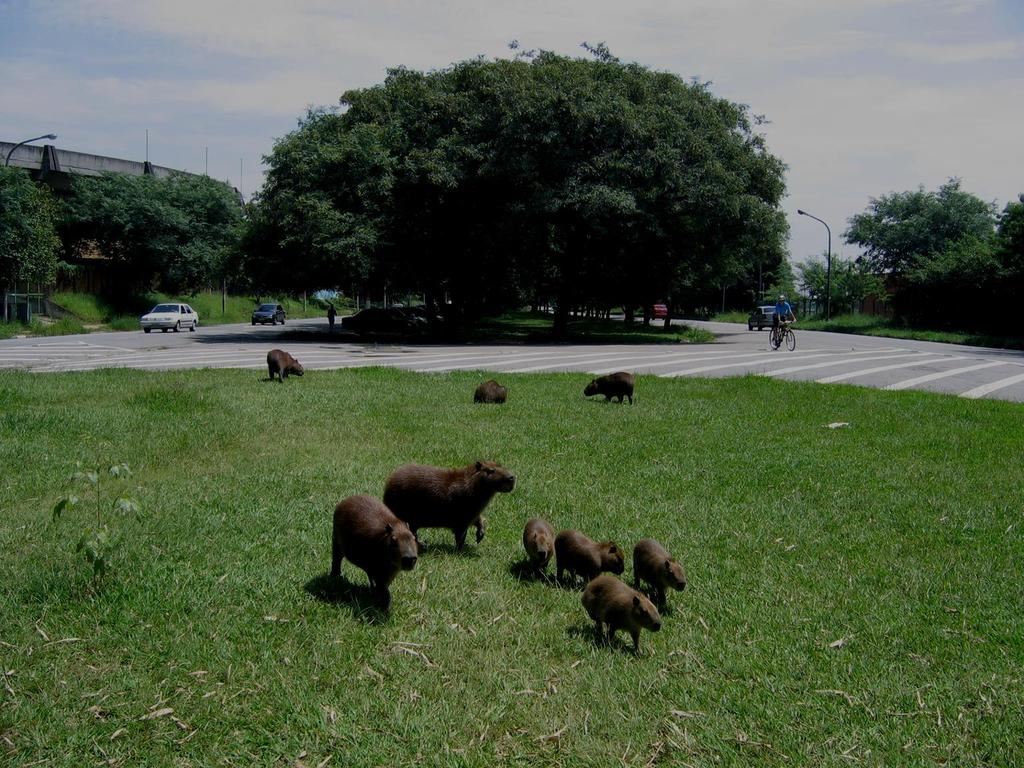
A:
(824, 357)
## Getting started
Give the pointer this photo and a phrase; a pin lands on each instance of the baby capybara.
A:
(618, 385)
(652, 563)
(436, 497)
(283, 364)
(369, 534)
(539, 542)
(608, 601)
(582, 556)
(490, 392)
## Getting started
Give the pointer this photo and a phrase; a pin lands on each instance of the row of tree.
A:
(178, 233)
(540, 179)
(950, 259)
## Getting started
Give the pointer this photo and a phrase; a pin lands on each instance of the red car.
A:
(659, 310)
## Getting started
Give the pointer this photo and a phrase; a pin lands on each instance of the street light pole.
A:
(828, 268)
(50, 136)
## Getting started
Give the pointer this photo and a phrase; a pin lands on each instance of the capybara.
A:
(436, 497)
(618, 385)
(608, 601)
(369, 534)
(283, 364)
(539, 542)
(582, 556)
(490, 392)
(652, 563)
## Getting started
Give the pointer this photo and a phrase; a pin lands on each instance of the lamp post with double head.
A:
(50, 136)
(828, 267)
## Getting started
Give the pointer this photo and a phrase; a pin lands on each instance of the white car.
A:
(170, 317)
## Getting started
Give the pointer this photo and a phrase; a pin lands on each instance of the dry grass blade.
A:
(836, 692)
(164, 712)
(556, 736)
(412, 652)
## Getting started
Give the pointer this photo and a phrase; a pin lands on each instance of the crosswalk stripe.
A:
(881, 368)
(844, 361)
(704, 368)
(942, 375)
(992, 386)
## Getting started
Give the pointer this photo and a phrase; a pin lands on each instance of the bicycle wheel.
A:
(790, 339)
(773, 340)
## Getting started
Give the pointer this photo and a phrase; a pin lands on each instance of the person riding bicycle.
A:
(784, 311)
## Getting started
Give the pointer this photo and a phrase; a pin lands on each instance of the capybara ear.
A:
(388, 529)
(636, 601)
(668, 565)
(479, 466)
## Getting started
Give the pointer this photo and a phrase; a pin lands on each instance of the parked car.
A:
(659, 311)
(269, 313)
(170, 317)
(761, 317)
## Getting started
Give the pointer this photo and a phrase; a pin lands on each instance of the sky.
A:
(864, 97)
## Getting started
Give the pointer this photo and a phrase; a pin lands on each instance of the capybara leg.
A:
(384, 597)
(636, 640)
(336, 563)
(661, 597)
(558, 576)
(481, 528)
(598, 631)
(460, 539)
(607, 398)
(630, 399)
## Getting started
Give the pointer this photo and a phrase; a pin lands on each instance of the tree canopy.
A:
(541, 178)
(952, 260)
(180, 231)
(28, 240)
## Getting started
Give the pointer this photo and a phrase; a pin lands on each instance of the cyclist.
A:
(783, 313)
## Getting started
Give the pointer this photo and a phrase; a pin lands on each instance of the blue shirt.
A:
(782, 309)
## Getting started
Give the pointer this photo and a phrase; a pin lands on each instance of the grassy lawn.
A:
(855, 594)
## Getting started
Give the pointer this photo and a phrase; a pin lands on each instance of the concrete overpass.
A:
(54, 166)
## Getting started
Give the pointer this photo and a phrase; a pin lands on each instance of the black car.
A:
(268, 313)
(761, 317)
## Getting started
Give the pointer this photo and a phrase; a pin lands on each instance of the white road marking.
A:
(881, 368)
(984, 389)
(703, 368)
(942, 375)
(847, 361)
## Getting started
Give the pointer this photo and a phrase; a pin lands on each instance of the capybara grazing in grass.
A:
(369, 534)
(652, 563)
(608, 601)
(582, 556)
(539, 543)
(436, 497)
(490, 392)
(283, 364)
(618, 385)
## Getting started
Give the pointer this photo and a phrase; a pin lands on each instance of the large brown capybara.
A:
(582, 556)
(539, 543)
(369, 535)
(490, 392)
(618, 385)
(652, 563)
(283, 364)
(608, 601)
(437, 497)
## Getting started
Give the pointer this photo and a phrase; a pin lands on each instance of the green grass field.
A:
(855, 594)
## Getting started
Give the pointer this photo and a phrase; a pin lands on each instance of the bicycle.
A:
(780, 334)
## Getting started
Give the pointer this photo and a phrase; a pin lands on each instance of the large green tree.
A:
(178, 232)
(28, 239)
(540, 178)
(939, 250)
(852, 281)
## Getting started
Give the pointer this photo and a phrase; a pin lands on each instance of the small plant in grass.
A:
(96, 543)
